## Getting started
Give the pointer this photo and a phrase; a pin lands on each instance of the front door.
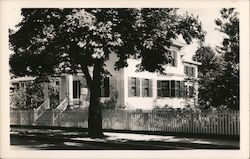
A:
(76, 89)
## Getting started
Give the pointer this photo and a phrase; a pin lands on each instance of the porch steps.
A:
(45, 119)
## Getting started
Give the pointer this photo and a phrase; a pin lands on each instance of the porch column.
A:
(70, 89)
(46, 91)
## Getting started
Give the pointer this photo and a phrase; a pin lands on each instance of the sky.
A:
(207, 17)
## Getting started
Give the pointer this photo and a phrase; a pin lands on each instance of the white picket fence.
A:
(205, 122)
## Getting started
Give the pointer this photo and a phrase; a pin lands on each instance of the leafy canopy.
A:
(50, 41)
(219, 74)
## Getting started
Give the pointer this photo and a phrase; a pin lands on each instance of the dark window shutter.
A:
(177, 89)
(159, 88)
(172, 86)
(143, 87)
(138, 87)
(129, 86)
(186, 70)
(150, 88)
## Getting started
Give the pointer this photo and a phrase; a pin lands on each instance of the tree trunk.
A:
(95, 112)
(95, 116)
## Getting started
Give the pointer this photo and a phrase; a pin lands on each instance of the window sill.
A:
(170, 97)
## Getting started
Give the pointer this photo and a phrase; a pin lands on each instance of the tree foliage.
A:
(51, 41)
(67, 38)
(209, 86)
(32, 96)
(219, 74)
(229, 25)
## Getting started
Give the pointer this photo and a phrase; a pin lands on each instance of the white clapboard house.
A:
(135, 90)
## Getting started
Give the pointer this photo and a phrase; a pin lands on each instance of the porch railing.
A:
(40, 110)
(59, 109)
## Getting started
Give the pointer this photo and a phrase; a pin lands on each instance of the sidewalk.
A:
(62, 139)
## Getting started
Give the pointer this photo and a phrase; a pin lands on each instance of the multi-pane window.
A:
(170, 88)
(164, 88)
(134, 86)
(173, 55)
(146, 88)
(189, 71)
(105, 86)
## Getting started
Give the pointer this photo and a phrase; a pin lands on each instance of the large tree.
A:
(209, 86)
(50, 41)
(229, 79)
(219, 74)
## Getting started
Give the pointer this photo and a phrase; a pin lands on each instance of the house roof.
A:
(191, 61)
(22, 79)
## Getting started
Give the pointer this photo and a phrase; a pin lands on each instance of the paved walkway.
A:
(64, 139)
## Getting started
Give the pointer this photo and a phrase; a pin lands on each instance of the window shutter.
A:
(129, 86)
(178, 88)
(159, 89)
(138, 87)
(186, 70)
(143, 87)
(150, 88)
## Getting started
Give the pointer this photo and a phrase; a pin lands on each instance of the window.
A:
(105, 87)
(170, 88)
(165, 88)
(134, 86)
(57, 82)
(146, 88)
(76, 89)
(173, 55)
(189, 71)
(21, 85)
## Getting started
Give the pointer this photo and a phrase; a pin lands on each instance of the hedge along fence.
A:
(196, 122)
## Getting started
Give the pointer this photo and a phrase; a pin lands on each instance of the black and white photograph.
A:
(134, 79)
